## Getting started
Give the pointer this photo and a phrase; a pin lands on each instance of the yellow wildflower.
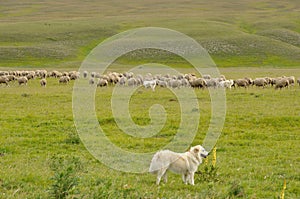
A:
(283, 189)
(214, 160)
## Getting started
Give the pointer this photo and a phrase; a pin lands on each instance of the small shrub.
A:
(65, 178)
(236, 190)
(73, 138)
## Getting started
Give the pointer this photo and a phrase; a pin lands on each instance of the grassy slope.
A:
(61, 33)
(258, 147)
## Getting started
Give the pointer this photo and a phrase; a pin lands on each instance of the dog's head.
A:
(199, 151)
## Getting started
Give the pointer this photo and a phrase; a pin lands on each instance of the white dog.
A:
(150, 84)
(182, 163)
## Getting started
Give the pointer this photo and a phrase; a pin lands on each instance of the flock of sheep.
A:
(149, 80)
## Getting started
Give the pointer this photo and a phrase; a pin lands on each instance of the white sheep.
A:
(91, 81)
(291, 80)
(241, 83)
(198, 82)
(226, 84)
(281, 83)
(174, 83)
(22, 80)
(162, 83)
(132, 82)
(4, 80)
(260, 82)
(122, 81)
(102, 83)
(64, 79)
(85, 74)
(43, 82)
(213, 82)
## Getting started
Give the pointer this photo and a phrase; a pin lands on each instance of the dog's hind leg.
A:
(184, 178)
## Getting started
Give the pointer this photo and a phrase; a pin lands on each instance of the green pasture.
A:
(41, 155)
(257, 150)
(236, 33)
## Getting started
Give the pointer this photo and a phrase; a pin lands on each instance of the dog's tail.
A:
(154, 163)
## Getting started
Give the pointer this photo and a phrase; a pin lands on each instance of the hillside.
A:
(236, 33)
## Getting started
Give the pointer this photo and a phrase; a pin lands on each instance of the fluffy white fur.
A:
(185, 164)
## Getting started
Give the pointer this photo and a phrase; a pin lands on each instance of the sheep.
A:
(113, 78)
(22, 80)
(185, 82)
(122, 81)
(241, 83)
(30, 76)
(291, 80)
(226, 84)
(128, 75)
(150, 84)
(43, 82)
(161, 83)
(91, 81)
(2, 73)
(85, 74)
(273, 80)
(102, 83)
(97, 75)
(212, 82)
(268, 80)
(180, 76)
(41, 73)
(249, 80)
(298, 80)
(174, 83)
(206, 77)
(148, 77)
(198, 83)
(281, 83)
(139, 81)
(4, 80)
(132, 82)
(222, 78)
(11, 78)
(93, 74)
(64, 79)
(74, 76)
(260, 82)
(55, 74)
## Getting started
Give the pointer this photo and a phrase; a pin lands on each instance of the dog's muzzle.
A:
(203, 156)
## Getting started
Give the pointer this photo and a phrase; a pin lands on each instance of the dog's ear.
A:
(196, 150)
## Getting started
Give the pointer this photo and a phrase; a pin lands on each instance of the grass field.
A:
(41, 155)
(61, 33)
(257, 150)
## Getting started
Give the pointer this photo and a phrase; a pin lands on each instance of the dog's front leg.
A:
(191, 178)
(185, 178)
(165, 176)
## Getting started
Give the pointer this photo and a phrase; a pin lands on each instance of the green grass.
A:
(61, 33)
(257, 150)
(259, 144)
